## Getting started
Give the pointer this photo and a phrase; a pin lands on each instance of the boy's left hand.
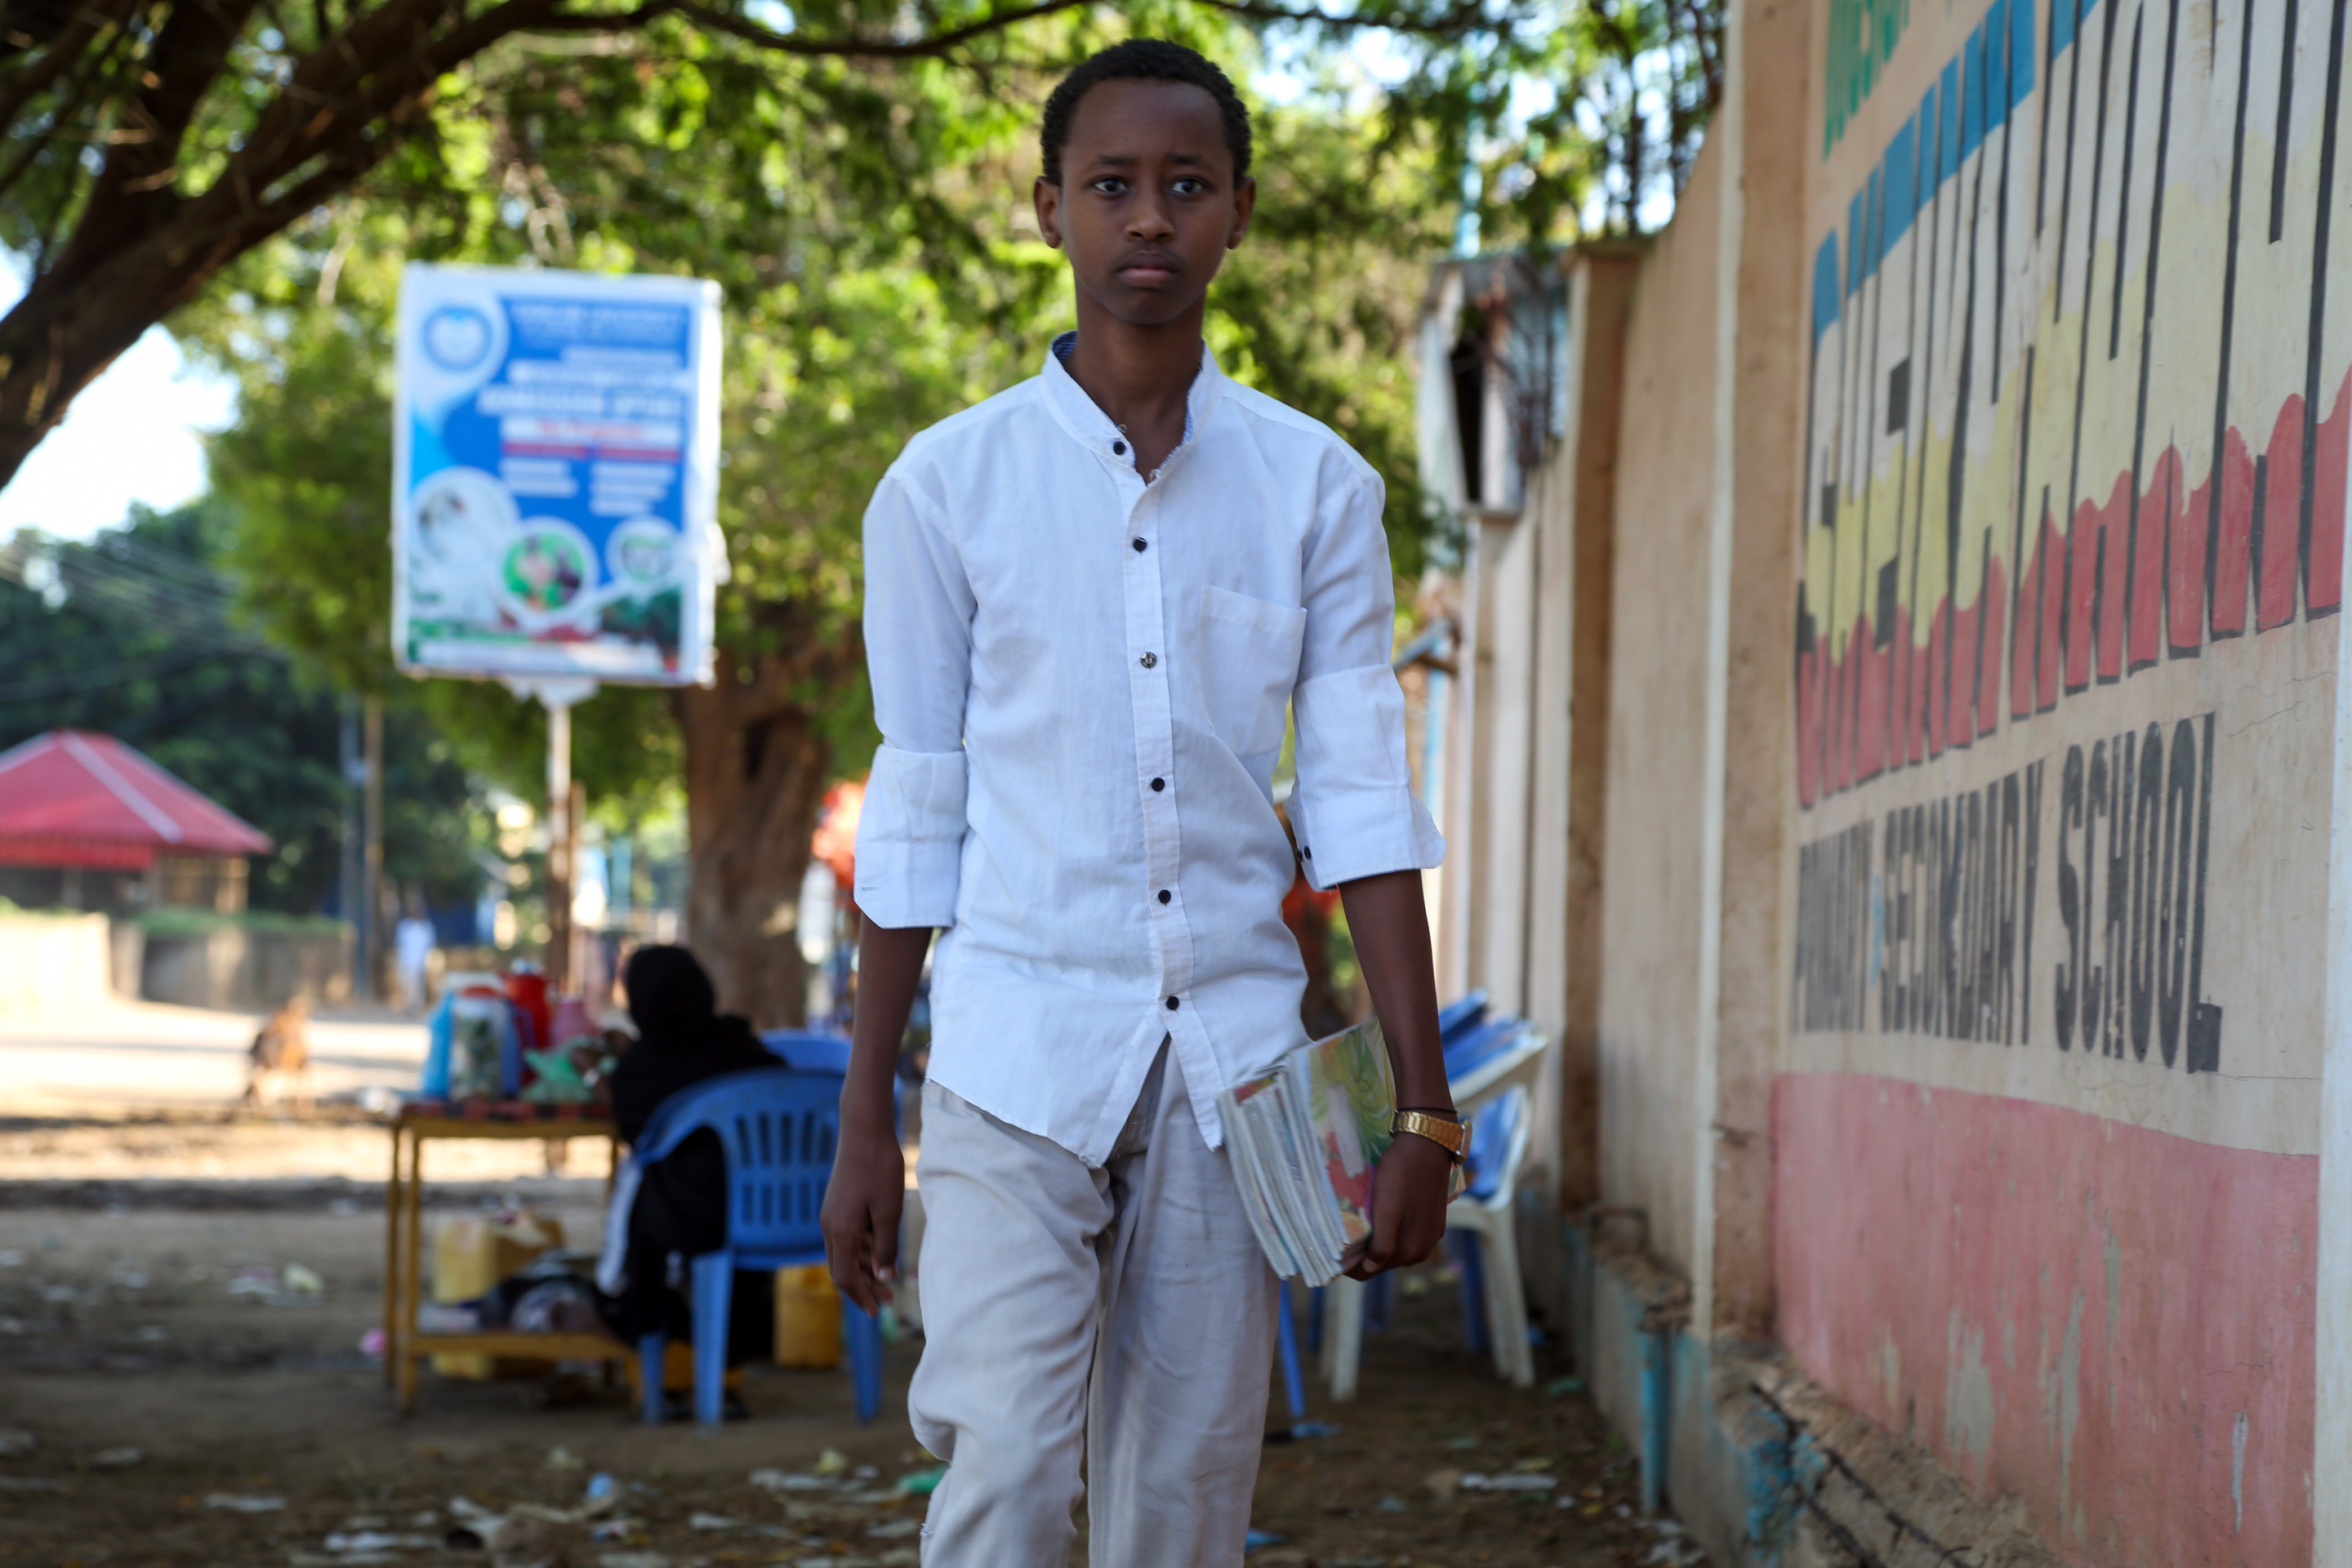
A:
(1409, 1188)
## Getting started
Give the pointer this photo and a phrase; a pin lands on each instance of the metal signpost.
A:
(554, 490)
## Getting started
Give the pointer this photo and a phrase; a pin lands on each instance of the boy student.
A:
(1089, 601)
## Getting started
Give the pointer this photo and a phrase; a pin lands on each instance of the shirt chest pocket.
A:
(1248, 662)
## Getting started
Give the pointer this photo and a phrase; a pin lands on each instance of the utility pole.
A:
(563, 814)
(350, 875)
(576, 968)
(559, 846)
(372, 876)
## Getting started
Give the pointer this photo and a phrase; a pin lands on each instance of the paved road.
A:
(139, 1089)
(113, 1056)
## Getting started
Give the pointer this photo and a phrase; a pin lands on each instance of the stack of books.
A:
(1304, 1141)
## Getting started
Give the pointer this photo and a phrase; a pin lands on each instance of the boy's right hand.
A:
(860, 1218)
(869, 1189)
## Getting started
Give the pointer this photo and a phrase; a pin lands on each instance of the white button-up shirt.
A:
(1081, 678)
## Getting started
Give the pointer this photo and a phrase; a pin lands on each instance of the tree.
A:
(153, 142)
(881, 269)
(1630, 86)
(822, 384)
(130, 635)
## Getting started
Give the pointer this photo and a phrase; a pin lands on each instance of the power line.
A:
(87, 678)
(128, 581)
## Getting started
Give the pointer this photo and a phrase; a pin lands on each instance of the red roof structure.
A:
(74, 798)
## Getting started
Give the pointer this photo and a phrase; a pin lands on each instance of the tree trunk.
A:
(756, 773)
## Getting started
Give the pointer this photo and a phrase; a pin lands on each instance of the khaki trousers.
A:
(1126, 1311)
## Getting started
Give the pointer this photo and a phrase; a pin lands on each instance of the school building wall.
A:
(1899, 768)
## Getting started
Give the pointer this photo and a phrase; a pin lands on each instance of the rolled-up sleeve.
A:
(919, 609)
(1354, 809)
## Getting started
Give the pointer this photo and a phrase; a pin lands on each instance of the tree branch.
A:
(34, 146)
(35, 76)
(85, 83)
(750, 32)
(1459, 19)
(1463, 17)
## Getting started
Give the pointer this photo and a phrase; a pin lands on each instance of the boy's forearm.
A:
(889, 966)
(1390, 926)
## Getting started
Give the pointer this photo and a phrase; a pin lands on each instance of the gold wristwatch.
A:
(1453, 1137)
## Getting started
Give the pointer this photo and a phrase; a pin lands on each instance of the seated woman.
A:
(680, 1210)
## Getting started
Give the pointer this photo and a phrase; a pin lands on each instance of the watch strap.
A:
(1453, 1137)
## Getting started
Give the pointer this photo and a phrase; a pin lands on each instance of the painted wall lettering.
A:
(1862, 38)
(2134, 821)
(1933, 906)
(1833, 893)
(1956, 913)
(2080, 400)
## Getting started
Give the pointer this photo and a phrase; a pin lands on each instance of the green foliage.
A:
(304, 475)
(171, 922)
(1624, 89)
(871, 230)
(129, 636)
(1319, 307)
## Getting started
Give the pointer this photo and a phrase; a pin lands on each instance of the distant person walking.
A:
(412, 951)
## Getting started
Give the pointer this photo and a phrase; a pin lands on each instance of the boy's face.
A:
(1148, 205)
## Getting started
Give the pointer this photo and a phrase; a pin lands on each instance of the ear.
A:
(1244, 203)
(1047, 198)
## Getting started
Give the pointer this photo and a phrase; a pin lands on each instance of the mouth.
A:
(1147, 269)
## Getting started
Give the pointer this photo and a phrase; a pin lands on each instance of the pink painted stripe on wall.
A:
(2114, 1325)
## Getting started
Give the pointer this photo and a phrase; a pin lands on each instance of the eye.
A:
(1191, 185)
(1109, 185)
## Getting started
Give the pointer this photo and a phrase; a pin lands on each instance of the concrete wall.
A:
(47, 961)
(2046, 1170)
(1508, 572)
(234, 968)
(1966, 875)
(1650, 868)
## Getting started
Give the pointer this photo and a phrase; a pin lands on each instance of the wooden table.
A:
(403, 1344)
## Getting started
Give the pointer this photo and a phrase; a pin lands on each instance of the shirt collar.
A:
(1083, 418)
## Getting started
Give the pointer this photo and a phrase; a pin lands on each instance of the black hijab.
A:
(682, 1038)
(668, 991)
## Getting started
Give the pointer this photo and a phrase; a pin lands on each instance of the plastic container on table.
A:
(527, 989)
(572, 1021)
(472, 1006)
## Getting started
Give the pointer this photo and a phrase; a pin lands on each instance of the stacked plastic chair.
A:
(1488, 1062)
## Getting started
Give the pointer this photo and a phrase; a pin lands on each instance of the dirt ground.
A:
(157, 1406)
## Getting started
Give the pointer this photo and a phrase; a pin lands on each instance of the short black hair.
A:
(1143, 59)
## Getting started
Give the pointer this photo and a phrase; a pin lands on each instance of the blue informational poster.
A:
(555, 475)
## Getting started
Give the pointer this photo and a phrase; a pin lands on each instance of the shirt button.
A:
(1118, 448)
(1138, 546)
(1165, 895)
(1305, 851)
(1150, 659)
(1159, 784)
(1172, 1004)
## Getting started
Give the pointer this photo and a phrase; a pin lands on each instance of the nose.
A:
(1148, 219)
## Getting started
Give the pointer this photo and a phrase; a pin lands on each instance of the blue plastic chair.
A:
(1484, 1052)
(1460, 1021)
(1463, 1014)
(1480, 1233)
(808, 1050)
(778, 1129)
(1477, 1046)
